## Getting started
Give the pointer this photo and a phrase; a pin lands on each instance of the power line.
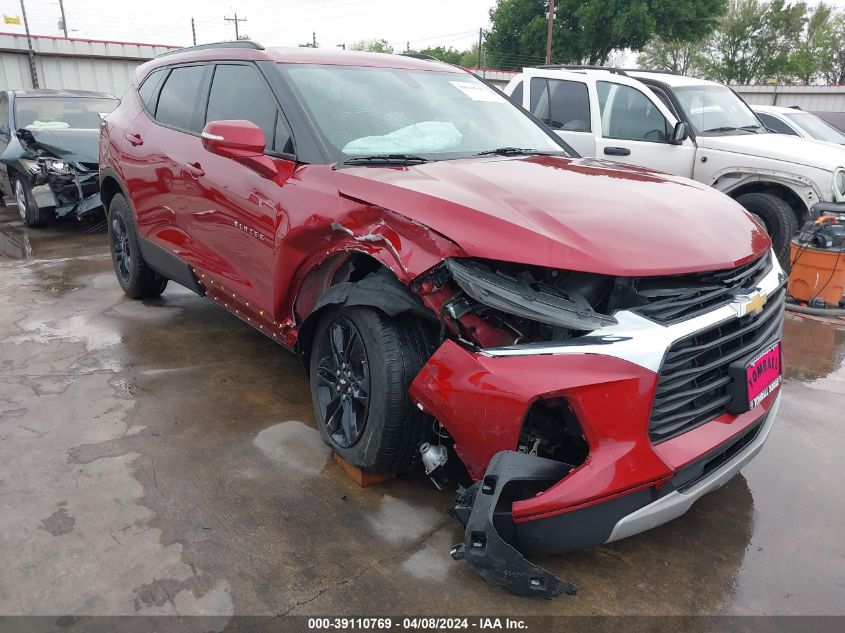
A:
(235, 19)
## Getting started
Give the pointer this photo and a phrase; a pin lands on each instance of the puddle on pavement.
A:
(57, 239)
(814, 353)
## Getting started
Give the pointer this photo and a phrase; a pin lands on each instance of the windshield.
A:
(61, 112)
(435, 115)
(816, 127)
(716, 110)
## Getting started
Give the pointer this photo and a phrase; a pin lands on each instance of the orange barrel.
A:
(817, 274)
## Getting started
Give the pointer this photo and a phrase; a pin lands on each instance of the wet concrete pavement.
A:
(162, 458)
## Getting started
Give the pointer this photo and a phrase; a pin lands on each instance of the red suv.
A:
(597, 345)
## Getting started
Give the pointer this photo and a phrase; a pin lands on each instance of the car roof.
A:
(774, 109)
(670, 79)
(296, 55)
(52, 92)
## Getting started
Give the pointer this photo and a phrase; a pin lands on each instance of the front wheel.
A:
(362, 363)
(135, 277)
(31, 214)
(777, 217)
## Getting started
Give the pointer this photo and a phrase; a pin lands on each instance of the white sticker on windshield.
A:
(478, 92)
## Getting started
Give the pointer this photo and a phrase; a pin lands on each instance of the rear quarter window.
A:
(149, 86)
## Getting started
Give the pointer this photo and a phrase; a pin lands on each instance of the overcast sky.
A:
(272, 22)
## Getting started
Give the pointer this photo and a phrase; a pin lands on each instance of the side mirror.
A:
(679, 134)
(242, 141)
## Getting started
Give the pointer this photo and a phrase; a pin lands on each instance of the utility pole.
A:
(194, 31)
(64, 21)
(480, 36)
(314, 39)
(343, 46)
(235, 19)
(32, 70)
(550, 31)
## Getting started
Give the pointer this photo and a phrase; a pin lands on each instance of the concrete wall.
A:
(72, 63)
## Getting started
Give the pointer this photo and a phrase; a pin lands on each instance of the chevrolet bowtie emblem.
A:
(752, 303)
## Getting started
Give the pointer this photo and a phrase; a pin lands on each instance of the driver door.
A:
(636, 128)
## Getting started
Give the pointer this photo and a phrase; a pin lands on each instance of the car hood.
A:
(575, 214)
(782, 147)
(76, 146)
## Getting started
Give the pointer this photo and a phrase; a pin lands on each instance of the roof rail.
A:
(430, 58)
(227, 44)
(610, 69)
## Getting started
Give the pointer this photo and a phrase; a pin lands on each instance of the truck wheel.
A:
(31, 214)
(362, 363)
(777, 216)
(136, 279)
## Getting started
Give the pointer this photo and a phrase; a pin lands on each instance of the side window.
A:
(517, 93)
(178, 98)
(148, 88)
(626, 113)
(240, 92)
(561, 104)
(775, 124)
(282, 139)
(664, 98)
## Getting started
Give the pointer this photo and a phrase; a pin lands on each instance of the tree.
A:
(817, 47)
(680, 57)
(448, 55)
(587, 31)
(372, 46)
(833, 69)
(753, 41)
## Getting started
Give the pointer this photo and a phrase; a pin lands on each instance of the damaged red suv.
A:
(595, 345)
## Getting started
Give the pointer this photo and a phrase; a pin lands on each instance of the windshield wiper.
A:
(386, 159)
(513, 151)
(730, 128)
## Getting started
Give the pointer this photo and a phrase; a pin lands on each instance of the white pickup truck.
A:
(693, 128)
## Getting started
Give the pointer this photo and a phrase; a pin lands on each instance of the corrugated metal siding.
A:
(71, 63)
(812, 98)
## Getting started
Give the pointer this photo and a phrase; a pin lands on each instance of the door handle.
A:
(617, 151)
(134, 138)
(195, 169)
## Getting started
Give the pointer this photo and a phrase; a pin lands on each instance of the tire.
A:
(777, 216)
(136, 279)
(31, 214)
(388, 427)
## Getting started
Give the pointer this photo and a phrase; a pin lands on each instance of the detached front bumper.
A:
(630, 481)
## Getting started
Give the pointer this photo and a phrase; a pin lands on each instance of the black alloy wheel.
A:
(343, 382)
(122, 252)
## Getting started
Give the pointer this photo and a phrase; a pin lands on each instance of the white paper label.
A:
(478, 92)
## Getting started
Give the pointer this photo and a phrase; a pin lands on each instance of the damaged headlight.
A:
(56, 166)
(525, 296)
(50, 165)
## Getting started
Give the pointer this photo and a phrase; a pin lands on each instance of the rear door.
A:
(237, 212)
(161, 143)
(636, 128)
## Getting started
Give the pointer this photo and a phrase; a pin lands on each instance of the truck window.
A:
(516, 95)
(775, 124)
(626, 113)
(561, 104)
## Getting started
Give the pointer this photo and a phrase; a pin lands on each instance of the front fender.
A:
(730, 179)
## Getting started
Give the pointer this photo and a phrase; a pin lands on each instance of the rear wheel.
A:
(136, 279)
(362, 363)
(777, 217)
(31, 214)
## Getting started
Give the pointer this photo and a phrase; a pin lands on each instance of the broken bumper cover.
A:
(494, 544)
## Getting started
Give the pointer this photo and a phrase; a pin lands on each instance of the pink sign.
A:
(764, 375)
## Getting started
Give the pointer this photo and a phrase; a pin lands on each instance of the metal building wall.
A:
(811, 98)
(72, 63)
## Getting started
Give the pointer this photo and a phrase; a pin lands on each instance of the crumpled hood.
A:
(791, 149)
(72, 145)
(576, 214)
